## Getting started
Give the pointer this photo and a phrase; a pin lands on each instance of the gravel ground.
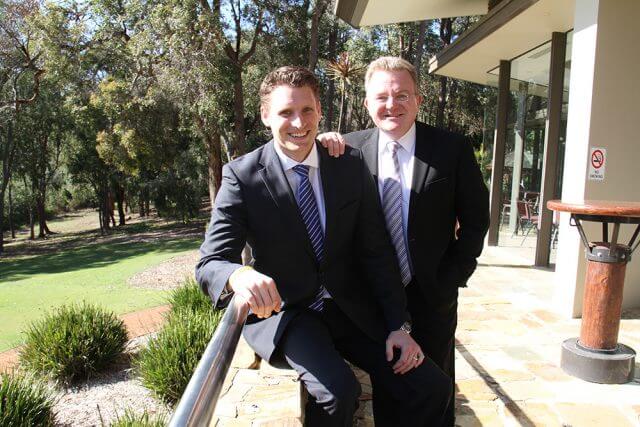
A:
(167, 275)
(99, 401)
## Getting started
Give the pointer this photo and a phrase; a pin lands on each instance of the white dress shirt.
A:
(386, 169)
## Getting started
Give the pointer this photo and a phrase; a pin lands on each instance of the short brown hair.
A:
(289, 76)
(391, 63)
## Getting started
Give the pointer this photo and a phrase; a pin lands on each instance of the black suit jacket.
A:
(447, 187)
(255, 204)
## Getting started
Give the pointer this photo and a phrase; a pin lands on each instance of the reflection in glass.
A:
(524, 150)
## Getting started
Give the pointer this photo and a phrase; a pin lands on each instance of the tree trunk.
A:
(110, 207)
(11, 228)
(104, 208)
(348, 117)
(40, 211)
(141, 209)
(119, 190)
(102, 230)
(41, 181)
(422, 33)
(331, 89)
(41, 199)
(445, 38)
(442, 102)
(238, 110)
(1, 220)
(318, 10)
(214, 148)
(7, 157)
(32, 223)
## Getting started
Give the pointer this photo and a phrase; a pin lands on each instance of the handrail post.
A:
(199, 399)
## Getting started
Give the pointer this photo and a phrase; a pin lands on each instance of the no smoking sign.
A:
(597, 160)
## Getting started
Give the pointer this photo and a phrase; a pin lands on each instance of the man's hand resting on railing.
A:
(257, 290)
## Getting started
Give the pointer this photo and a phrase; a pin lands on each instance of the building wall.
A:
(604, 111)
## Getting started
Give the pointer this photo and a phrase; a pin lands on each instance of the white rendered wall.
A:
(604, 111)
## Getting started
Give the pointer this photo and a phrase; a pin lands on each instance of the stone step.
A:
(257, 394)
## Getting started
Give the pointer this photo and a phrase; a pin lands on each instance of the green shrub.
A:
(131, 419)
(73, 342)
(25, 401)
(189, 297)
(168, 361)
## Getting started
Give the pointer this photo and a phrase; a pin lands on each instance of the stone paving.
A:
(508, 354)
(507, 361)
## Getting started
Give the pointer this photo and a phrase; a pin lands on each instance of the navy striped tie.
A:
(309, 211)
(392, 207)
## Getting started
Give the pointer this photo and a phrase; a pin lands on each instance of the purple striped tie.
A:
(309, 211)
(392, 207)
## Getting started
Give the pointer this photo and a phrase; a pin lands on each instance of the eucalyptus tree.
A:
(42, 130)
(21, 71)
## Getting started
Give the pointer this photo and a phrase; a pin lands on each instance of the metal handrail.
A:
(199, 400)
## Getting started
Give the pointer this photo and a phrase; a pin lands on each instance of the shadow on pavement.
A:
(492, 383)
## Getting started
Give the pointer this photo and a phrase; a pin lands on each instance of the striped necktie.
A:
(392, 207)
(309, 212)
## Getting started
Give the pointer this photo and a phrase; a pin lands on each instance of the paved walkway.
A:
(138, 323)
(508, 354)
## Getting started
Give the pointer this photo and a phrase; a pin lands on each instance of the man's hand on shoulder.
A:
(333, 142)
(411, 355)
(257, 290)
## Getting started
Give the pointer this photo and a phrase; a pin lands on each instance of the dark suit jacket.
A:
(255, 204)
(447, 186)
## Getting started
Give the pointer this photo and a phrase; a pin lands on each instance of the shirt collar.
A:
(287, 162)
(407, 141)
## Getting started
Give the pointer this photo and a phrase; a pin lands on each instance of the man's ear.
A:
(264, 115)
(366, 104)
(419, 99)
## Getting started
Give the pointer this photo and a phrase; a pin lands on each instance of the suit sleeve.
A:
(221, 252)
(472, 214)
(377, 256)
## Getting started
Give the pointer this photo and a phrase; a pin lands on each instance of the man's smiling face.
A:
(392, 101)
(293, 114)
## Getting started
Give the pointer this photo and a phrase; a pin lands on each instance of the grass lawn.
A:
(92, 270)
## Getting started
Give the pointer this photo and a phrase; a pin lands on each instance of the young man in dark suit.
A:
(441, 208)
(313, 223)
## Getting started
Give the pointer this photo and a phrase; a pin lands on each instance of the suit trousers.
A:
(434, 327)
(316, 345)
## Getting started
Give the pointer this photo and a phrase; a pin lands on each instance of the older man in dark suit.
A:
(436, 209)
(313, 223)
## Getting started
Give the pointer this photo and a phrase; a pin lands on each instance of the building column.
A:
(551, 144)
(499, 141)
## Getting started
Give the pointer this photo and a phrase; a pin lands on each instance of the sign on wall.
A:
(597, 163)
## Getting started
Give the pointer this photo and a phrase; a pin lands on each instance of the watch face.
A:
(406, 327)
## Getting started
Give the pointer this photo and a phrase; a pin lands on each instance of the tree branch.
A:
(254, 42)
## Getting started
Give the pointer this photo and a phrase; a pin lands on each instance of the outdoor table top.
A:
(609, 208)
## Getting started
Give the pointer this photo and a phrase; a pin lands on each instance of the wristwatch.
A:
(406, 327)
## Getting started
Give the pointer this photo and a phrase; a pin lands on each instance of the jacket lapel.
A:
(279, 189)
(421, 165)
